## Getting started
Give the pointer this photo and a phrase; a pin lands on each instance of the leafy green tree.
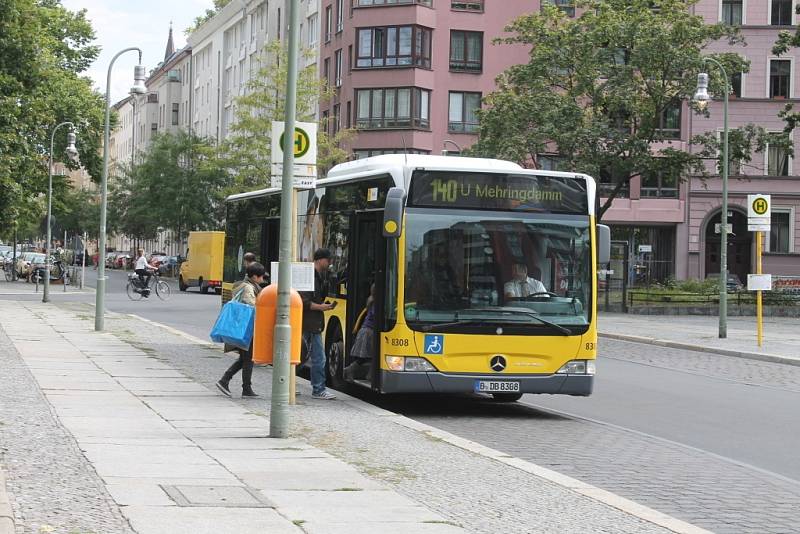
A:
(597, 87)
(208, 15)
(246, 153)
(44, 48)
(172, 187)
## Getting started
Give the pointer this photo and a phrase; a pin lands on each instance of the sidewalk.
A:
(173, 456)
(781, 334)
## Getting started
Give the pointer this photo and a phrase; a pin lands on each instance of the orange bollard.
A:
(266, 311)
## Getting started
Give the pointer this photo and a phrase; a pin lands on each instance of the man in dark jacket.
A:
(314, 322)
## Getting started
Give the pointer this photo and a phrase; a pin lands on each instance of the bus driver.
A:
(521, 285)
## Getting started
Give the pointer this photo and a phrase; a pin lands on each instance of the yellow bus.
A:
(484, 272)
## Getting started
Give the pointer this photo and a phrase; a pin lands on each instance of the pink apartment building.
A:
(410, 73)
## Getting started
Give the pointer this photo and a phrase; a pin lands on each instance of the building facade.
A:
(671, 227)
(410, 74)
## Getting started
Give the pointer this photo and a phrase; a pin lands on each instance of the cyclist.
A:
(145, 271)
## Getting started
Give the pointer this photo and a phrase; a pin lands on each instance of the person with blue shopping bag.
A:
(245, 292)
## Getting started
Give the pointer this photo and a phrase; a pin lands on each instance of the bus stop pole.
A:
(279, 407)
(759, 308)
(293, 367)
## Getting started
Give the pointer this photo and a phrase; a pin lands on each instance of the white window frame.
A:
(790, 211)
(766, 154)
(744, 83)
(313, 29)
(744, 11)
(769, 13)
(770, 59)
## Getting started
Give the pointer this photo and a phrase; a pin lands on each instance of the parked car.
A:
(122, 261)
(110, 257)
(28, 262)
(733, 283)
(169, 265)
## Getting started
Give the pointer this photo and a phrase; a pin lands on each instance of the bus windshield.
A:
(478, 271)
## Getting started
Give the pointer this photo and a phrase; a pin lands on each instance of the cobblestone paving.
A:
(474, 492)
(754, 372)
(53, 487)
(702, 489)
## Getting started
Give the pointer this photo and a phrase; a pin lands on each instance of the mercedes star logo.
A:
(498, 363)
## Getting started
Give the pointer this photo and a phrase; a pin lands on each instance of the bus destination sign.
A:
(497, 191)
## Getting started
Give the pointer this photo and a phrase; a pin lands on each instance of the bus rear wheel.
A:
(181, 284)
(507, 397)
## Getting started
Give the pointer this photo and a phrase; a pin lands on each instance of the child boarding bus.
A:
(484, 272)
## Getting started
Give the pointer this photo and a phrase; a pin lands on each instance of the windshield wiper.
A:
(503, 311)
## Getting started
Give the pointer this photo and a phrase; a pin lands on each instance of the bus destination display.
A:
(497, 191)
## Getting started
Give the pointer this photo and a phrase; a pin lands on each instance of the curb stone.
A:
(772, 358)
(6, 513)
(586, 490)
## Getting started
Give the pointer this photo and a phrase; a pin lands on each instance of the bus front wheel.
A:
(335, 361)
(507, 397)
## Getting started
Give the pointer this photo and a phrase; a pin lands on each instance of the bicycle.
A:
(135, 290)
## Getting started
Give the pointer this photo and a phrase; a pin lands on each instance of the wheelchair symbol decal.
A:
(434, 344)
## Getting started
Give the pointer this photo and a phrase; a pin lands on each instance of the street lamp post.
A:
(139, 75)
(444, 146)
(72, 152)
(702, 98)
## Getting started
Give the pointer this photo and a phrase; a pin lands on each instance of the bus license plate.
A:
(496, 386)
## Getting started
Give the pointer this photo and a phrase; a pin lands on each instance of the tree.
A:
(44, 48)
(600, 89)
(246, 153)
(172, 187)
(208, 15)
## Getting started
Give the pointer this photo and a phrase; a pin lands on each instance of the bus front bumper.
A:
(437, 382)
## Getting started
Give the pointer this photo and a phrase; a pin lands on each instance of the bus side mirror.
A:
(603, 244)
(393, 213)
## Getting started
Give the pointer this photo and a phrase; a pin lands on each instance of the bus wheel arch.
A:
(334, 354)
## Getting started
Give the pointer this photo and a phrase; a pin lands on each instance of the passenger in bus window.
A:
(364, 343)
(521, 285)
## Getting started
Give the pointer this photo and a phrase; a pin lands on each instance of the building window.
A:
(462, 116)
(781, 13)
(349, 118)
(466, 51)
(551, 162)
(154, 127)
(659, 184)
(326, 70)
(394, 46)
(339, 16)
(669, 124)
(176, 112)
(337, 117)
(780, 232)
(337, 66)
(609, 179)
(777, 158)
(349, 59)
(736, 85)
(468, 5)
(732, 12)
(325, 121)
(328, 23)
(780, 72)
(313, 29)
(404, 107)
(361, 153)
(564, 5)
(369, 3)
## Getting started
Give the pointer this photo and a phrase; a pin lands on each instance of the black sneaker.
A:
(248, 392)
(222, 385)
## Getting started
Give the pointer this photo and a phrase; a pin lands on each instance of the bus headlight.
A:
(409, 363)
(578, 367)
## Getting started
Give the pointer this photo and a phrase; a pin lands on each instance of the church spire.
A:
(170, 45)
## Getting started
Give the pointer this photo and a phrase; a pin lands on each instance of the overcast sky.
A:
(120, 24)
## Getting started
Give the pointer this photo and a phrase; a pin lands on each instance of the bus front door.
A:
(366, 266)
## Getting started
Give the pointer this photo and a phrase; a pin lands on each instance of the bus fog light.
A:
(419, 364)
(575, 367)
(395, 363)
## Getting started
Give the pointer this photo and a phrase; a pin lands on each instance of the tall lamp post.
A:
(72, 152)
(139, 75)
(702, 98)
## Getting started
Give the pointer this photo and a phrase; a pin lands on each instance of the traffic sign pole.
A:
(279, 405)
(759, 309)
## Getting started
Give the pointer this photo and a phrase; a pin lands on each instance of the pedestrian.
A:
(314, 322)
(248, 259)
(250, 287)
(364, 343)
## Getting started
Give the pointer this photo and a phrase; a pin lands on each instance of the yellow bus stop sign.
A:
(760, 206)
(301, 143)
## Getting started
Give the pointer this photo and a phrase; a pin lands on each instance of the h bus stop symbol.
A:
(301, 142)
(434, 344)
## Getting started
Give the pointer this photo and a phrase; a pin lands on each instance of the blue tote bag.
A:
(234, 325)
